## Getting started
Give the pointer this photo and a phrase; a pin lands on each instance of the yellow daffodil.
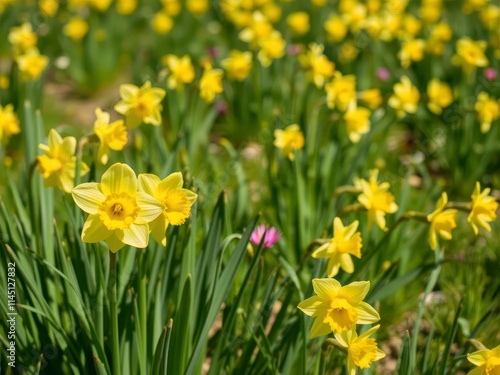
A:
(372, 98)
(442, 221)
(259, 27)
(298, 23)
(197, 7)
(336, 28)
(76, 29)
(211, 83)
(483, 209)
(411, 27)
(9, 123)
(488, 110)
(58, 163)
(348, 52)
(270, 48)
(486, 360)
(376, 198)
(4, 81)
(238, 65)
(288, 140)
(126, 6)
(490, 16)
(31, 64)
(100, 5)
(340, 91)
(317, 66)
(431, 11)
(405, 97)
(272, 11)
(140, 104)
(22, 38)
(362, 350)
(118, 213)
(111, 136)
(345, 242)
(181, 71)
(176, 202)
(162, 23)
(338, 308)
(411, 51)
(48, 7)
(440, 96)
(171, 7)
(440, 34)
(470, 54)
(357, 120)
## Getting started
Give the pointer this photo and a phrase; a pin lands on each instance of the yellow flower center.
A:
(142, 107)
(363, 352)
(118, 211)
(341, 316)
(176, 206)
(49, 165)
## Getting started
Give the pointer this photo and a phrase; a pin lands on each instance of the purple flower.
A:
(213, 51)
(490, 74)
(383, 74)
(294, 49)
(271, 236)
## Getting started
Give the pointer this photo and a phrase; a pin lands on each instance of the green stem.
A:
(114, 314)
(143, 300)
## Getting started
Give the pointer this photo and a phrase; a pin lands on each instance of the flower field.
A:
(250, 187)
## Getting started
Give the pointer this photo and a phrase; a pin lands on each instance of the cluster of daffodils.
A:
(29, 61)
(125, 209)
(339, 309)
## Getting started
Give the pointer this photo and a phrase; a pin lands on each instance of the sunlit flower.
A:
(211, 83)
(411, 27)
(383, 74)
(336, 28)
(298, 23)
(197, 6)
(175, 201)
(76, 29)
(317, 66)
(22, 38)
(31, 64)
(345, 242)
(259, 27)
(340, 91)
(470, 54)
(4, 82)
(9, 123)
(111, 136)
(405, 97)
(58, 163)
(126, 6)
(338, 308)
(372, 98)
(488, 110)
(162, 23)
(238, 65)
(118, 213)
(270, 235)
(411, 51)
(48, 7)
(181, 71)
(483, 209)
(376, 198)
(171, 7)
(362, 350)
(100, 5)
(357, 121)
(140, 104)
(270, 48)
(440, 34)
(486, 360)
(288, 140)
(440, 96)
(442, 221)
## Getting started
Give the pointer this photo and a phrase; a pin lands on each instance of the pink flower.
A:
(490, 74)
(271, 236)
(383, 74)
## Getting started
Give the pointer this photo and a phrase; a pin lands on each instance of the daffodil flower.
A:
(211, 83)
(345, 242)
(118, 213)
(288, 140)
(140, 105)
(338, 308)
(9, 123)
(483, 209)
(486, 360)
(175, 202)
(58, 163)
(442, 221)
(405, 98)
(111, 136)
(181, 71)
(362, 350)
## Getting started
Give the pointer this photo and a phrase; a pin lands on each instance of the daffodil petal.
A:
(114, 243)
(150, 208)
(148, 183)
(310, 305)
(326, 288)
(366, 313)
(119, 178)
(158, 227)
(355, 291)
(319, 329)
(94, 230)
(135, 235)
(88, 197)
(478, 358)
(173, 181)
